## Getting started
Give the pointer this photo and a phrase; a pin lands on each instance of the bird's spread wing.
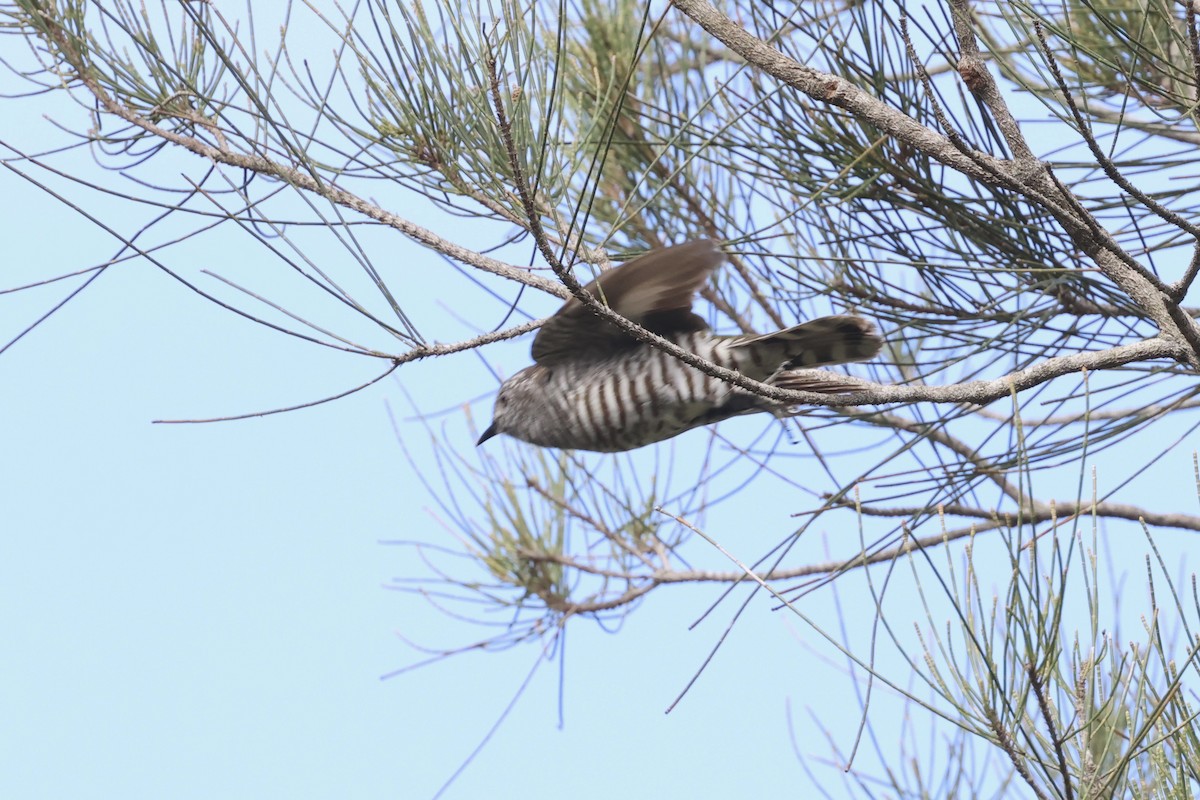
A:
(654, 290)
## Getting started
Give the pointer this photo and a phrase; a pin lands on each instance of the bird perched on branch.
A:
(594, 386)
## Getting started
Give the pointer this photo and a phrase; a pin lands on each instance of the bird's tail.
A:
(828, 340)
(809, 380)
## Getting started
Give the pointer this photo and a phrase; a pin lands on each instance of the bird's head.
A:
(516, 404)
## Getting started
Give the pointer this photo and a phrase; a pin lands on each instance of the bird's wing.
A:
(654, 290)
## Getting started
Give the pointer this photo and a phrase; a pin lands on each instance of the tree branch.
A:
(291, 175)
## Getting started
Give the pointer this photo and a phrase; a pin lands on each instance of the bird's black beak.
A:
(489, 433)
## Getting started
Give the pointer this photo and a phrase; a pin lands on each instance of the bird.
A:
(593, 386)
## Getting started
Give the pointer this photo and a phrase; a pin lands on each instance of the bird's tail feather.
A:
(828, 340)
(813, 381)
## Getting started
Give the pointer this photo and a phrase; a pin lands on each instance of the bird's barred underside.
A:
(638, 399)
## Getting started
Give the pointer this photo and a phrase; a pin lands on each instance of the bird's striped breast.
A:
(637, 397)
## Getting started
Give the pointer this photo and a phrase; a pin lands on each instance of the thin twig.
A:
(415, 354)
(1039, 691)
(1005, 740)
(514, 162)
(1106, 164)
(1053, 510)
(269, 412)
